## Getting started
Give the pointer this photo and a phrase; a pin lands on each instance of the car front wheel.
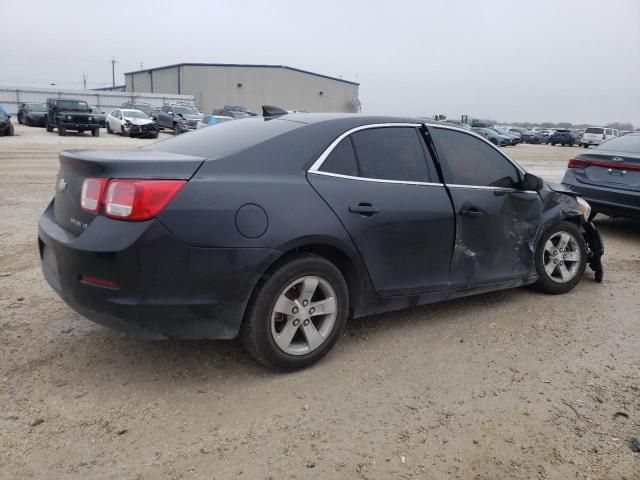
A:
(296, 314)
(561, 258)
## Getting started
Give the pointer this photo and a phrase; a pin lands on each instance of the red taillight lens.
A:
(139, 199)
(575, 163)
(92, 189)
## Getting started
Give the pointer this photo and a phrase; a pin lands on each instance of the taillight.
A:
(575, 163)
(92, 190)
(139, 199)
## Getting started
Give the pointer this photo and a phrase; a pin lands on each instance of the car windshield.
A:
(185, 111)
(134, 114)
(599, 131)
(72, 105)
(36, 107)
(626, 143)
(143, 108)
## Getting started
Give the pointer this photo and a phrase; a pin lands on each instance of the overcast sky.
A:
(541, 60)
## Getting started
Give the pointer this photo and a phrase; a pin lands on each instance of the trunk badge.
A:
(617, 160)
(62, 185)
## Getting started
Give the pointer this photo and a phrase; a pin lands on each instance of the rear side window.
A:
(391, 153)
(470, 161)
(599, 131)
(342, 160)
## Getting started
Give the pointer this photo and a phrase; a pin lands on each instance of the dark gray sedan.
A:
(608, 176)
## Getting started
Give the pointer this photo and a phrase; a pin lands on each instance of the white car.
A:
(131, 123)
(209, 120)
(597, 135)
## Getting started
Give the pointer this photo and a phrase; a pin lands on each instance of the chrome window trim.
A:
(480, 187)
(375, 180)
(318, 163)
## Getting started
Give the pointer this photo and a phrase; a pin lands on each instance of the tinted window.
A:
(599, 131)
(393, 153)
(342, 160)
(470, 161)
(626, 143)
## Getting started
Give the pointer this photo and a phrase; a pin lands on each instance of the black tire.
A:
(95, 132)
(546, 283)
(494, 141)
(62, 131)
(553, 144)
(20, 118)
(109, 128)
(47, 125)
(81, 130)
(10, 130)
(155, 135)
(256, 334)
(123, 133)
(177, 128)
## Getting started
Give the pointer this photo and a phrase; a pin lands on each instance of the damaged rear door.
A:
(496, 220)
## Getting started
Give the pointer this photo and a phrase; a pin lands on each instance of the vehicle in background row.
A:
(70, 114)
(597, 135)
(493, 136)
(6, 127)
(224, 112)
(608, 176)
(131, 123)
(209, 120)
(389, 213)
(516, 138)
(534, 136)
(99, 116)
(236, 108)
(179, 118)
(147, 108)
(32, 114)
(563, 137)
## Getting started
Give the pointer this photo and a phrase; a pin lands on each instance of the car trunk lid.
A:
(77, 165)
(605, 168)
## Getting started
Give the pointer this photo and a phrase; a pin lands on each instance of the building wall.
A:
(252, 87)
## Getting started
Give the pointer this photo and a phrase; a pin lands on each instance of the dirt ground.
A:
(507, 385)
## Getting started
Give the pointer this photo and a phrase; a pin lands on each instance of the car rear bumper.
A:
(165, 289)
(605, 199)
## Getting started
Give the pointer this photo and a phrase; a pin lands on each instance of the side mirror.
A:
(531, 182)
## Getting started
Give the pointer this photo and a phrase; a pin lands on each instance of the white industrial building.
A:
(216, 85)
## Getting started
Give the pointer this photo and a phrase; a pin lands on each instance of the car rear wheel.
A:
(109, 130)
(47, 125)
(95, 132)
(62, 131)
(296, 314)
(561, 258)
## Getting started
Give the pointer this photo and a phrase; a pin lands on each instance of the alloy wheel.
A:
(562, 257)
(304, 315)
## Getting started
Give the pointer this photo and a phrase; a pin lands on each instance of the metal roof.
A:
(241, 65)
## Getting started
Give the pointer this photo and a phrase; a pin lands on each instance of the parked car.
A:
(608, 176)
(237, 108)
(493, 136)
(32, 114)
(534, 136)
(283, 234)
(597, 135)
(69, 114)
(515, 137)
(147, 108)
(131, 123)
(99, 116)
(224, 112)
(6, 127)
(209, 120)
(179, 118)
(563, 137)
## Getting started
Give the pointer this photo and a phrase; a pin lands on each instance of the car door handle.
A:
(363, 208)
(471, 212)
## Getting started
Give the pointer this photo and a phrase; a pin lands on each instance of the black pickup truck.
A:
(69, 114)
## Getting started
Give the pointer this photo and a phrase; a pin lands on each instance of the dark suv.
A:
(6, 127)
(69, 114)
(563, 137)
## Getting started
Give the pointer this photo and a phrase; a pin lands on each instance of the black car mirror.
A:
(531, 182)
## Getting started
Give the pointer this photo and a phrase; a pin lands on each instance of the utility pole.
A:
(84, 80)
(113, 70)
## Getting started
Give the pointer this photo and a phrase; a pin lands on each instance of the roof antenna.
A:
(271, 111)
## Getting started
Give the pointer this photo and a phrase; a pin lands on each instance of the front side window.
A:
(391, 153)
(471, 161)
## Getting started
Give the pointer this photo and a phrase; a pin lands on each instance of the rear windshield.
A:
(226, 139)
(627, 143)
(599, 131)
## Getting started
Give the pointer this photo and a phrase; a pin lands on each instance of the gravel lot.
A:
(507, 385)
